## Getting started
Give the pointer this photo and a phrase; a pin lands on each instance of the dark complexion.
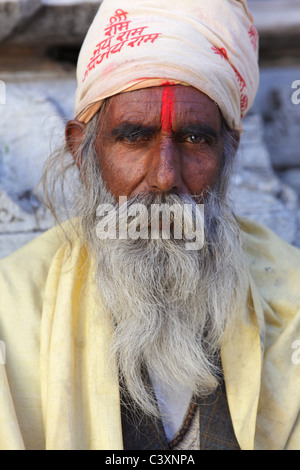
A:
(160, 140)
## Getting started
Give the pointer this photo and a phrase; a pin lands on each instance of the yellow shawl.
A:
(57, 389)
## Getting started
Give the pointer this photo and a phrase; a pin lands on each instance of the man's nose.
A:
(164, 174)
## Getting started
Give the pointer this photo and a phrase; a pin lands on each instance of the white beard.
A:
(169, 305)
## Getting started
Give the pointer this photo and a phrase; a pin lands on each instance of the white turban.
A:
(211, 45)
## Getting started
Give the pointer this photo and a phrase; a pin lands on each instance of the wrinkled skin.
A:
(161, 140)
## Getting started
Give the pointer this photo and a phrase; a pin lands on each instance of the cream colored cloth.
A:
(210, 45)
(58, 389)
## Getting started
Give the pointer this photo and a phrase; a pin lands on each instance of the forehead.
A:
(188, 104)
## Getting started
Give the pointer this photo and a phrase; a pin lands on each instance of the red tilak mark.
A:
(167, 109)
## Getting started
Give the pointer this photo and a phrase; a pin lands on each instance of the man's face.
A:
(161, 139)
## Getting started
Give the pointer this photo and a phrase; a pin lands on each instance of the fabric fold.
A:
(142, 44)
(59, 389)
(10, 434)
(241, 355)
(80, 390)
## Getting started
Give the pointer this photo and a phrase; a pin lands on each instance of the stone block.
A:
(265, 199)
(256, 191)
(280, 16)
(281, 115)
(57, 22)
(291, 178)
(253, 153)
(13, 219)
(31, 126)
(267, 210)
(297, 242)
(13, 13)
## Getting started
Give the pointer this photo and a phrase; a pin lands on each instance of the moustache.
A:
(152, 216)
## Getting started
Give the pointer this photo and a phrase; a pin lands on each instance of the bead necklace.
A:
(185, 426)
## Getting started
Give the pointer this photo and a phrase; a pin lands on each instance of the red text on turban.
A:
(116, 36)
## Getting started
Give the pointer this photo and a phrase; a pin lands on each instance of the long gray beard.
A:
(169, 305)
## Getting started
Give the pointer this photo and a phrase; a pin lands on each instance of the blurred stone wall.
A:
(39, 44)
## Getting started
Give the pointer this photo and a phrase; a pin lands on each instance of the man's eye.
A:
(196, 139)
(131, 138)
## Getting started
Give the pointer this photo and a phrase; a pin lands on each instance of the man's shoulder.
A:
(24, 274)
(264, 247)
(34, 258)
(274, 266)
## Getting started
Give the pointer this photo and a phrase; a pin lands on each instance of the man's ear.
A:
(74, 134)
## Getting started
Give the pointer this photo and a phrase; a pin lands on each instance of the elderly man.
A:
(133, 342)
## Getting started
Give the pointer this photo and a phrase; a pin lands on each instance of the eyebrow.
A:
(125, 129)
